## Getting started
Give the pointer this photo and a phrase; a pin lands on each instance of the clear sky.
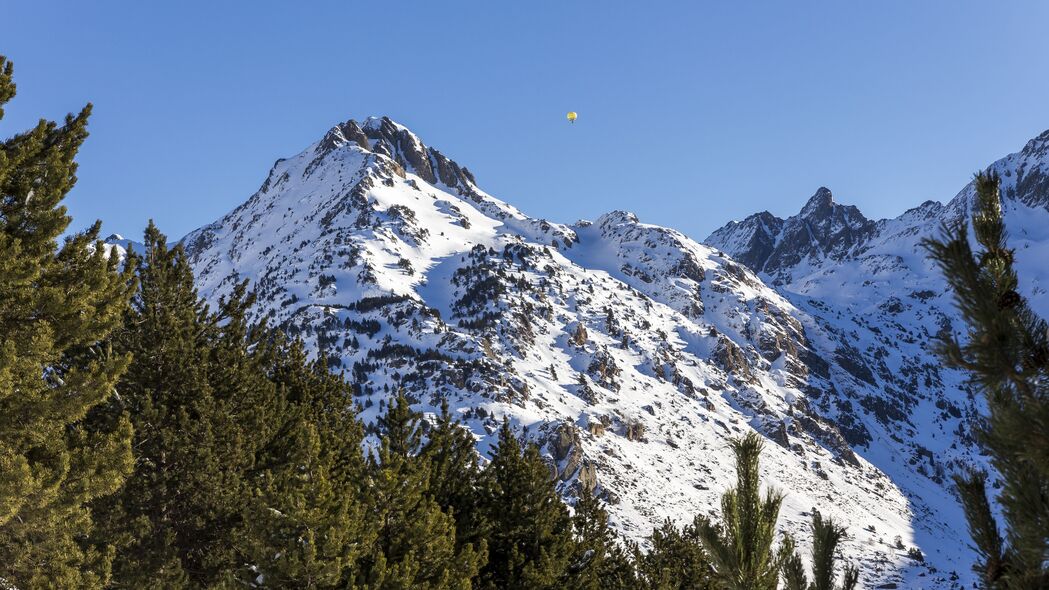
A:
(690, 113)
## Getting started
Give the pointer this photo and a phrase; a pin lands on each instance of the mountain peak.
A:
(822, 229)
(617, 217)
(380, 127)
(374, 122)
(1024, 175)
(819, 202)
(1036, 153)
(119, 245)
(1040, 139)
(384, 136)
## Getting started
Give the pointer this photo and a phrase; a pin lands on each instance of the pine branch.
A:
(1006, 353)
(983, 529)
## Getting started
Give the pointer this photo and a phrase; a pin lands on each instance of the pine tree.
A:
(415, 545)
(599, 557)
(676, 560)
(741, 551)
(1006, 355)
(56, 306)
(455, 477)
(304, 526)
(530, 543)
(202, 407)
(826, 535)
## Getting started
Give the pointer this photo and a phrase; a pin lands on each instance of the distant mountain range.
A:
(632, 353)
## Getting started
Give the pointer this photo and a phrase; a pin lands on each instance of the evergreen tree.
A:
(415, 545)
(56, 306)
(826, 535)
(794, 577)
(1007, 356)
(455, 477)
(202, 408)
(599, 559)
(530, 543)
(741, 551)
(676, 560)
(304, 526)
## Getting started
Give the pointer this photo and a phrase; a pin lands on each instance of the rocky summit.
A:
(633, 354)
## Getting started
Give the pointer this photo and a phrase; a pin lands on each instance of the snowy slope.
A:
(630, 352)
(872, 281)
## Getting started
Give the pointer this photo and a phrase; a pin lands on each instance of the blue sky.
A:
(690, 113)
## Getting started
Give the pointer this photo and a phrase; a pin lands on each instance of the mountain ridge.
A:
(755, 239)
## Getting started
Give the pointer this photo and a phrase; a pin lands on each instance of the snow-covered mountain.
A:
(871, 280)
(118, 245)
(630, 352)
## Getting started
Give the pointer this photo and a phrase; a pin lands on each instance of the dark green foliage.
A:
(599, 559)
(415, 545)
(826, 535)
(455, 477)
(250, 472)
(56, 305)
(676, 560)
(203, 408)
(1006, 354)
(530, 543)
(972, 488)
(304, 525)
(794, 577)
(741, 550)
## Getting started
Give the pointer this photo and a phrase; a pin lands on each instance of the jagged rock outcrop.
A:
(822, 231)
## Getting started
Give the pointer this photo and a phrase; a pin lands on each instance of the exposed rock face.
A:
(757, 238)
(587, 476)
(731, 359)
(634, 431)
(567, 452)
(384, 254)
(822, 231)
(1025, 175)
(348, 131)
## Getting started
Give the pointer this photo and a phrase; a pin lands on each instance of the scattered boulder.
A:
(579, 336)
(634, 431)
(730, 357)
(587, 476)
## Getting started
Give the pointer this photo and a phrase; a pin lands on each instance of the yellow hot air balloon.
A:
(571, 116)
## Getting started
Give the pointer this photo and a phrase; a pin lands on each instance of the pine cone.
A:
(1008, 300)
